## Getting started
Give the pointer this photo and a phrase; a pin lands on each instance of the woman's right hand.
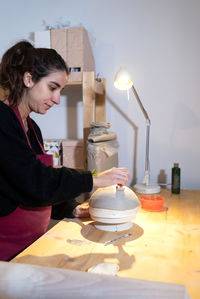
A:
(112, 176)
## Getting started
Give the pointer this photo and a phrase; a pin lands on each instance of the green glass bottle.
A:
(176, 179)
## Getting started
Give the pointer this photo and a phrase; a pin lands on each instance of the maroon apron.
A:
(26, 224)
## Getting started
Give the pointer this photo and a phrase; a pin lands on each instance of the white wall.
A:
(159, 42)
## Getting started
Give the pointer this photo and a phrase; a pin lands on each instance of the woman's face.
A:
(41, 96)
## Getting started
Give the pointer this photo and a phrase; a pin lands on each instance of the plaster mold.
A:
(113, 208)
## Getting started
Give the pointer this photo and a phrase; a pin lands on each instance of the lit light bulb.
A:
(123, 80)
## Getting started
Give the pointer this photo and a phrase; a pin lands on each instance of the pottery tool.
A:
(116, 239)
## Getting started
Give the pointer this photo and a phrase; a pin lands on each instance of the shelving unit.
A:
(93, 97)
(73, 44)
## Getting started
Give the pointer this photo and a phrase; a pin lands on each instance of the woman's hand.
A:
(110, 177)
(82, 210)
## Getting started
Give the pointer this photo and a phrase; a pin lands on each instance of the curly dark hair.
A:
(24, 57)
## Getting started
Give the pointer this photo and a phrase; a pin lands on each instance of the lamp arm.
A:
(148, 123)
(147, 168)
(141, 106)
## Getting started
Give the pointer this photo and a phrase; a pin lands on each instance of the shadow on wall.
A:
(135, 129)
(162, 178)
(74, 95)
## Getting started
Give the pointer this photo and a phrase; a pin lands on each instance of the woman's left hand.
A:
(82, 210)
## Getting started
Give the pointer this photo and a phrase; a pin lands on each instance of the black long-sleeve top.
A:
(25, 180)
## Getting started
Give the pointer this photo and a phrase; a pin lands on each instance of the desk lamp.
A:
(124, 82)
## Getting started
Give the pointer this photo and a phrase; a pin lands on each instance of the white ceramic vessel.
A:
(113, 208)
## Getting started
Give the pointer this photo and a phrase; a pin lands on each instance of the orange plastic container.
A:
(152, 202)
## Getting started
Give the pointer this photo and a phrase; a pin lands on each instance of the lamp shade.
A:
(123, 80)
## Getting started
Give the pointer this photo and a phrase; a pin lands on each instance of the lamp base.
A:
(147, 189)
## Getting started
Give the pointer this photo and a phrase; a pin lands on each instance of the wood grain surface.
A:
(163, 247)
(20, 281)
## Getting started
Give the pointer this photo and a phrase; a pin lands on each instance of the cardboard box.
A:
(72, 153)
(74, 46)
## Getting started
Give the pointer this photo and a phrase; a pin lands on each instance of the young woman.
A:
(31, 190)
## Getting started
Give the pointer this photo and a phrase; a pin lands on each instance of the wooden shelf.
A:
(74, 83)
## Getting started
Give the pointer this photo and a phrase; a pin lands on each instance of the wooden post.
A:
(100, 100)
(88, 109)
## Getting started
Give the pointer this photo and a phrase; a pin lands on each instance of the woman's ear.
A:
(28, 82)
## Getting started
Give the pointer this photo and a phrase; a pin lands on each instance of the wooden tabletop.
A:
(164, 246)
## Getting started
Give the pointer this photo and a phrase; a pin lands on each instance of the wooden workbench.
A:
(164, 246)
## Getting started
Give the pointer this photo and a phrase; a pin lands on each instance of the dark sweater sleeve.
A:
(26, 180)
(64, 210)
